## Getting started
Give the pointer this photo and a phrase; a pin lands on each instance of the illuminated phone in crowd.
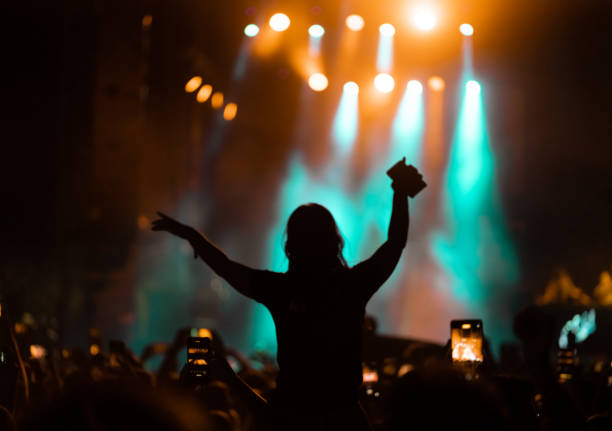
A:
(466, 341)
(198, 354)
(370, 375)
(37, 351)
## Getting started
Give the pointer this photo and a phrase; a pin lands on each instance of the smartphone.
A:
(198, 355)
(37, 352)
(566, 365)
(399, 170)
(466, 340)
(370, 376)
(201, 332)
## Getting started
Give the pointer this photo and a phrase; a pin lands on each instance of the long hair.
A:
(313, 238)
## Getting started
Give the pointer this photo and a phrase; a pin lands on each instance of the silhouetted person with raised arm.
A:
(318, 307)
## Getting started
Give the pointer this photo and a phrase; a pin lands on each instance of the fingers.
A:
(161, 224)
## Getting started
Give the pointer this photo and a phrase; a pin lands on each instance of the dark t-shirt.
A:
(319, 322)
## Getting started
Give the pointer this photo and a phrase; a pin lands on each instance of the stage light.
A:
(217, 100)
(354, 22)
(387, 30)
(346, 121)
(229, 113)
(193, 84)
(251, 30)
(384, 82)
(384, 57)
(472, 87)
(466, 29)
(424, 19)
(351, 88)
(318, 82)
(407, 130)
(316, 31)
(279, 22)
(204, 93)
(414, 87)
(436, 83)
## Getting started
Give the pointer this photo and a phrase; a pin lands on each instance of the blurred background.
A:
(227, 117)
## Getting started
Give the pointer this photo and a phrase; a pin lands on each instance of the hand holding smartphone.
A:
(198, 356)
(406, 178)
(466, 341)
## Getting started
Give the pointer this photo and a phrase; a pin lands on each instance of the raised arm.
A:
(373, 272)
(242, 278)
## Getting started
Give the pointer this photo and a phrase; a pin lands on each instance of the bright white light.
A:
(318, 82)
(387, 30)
(279, 22)
(472, 86)
(414, 86)
(466, 29)
(384, 82)
(424, 19)
(251, 30)
(355, 22)
(316, 31)
(351, 87)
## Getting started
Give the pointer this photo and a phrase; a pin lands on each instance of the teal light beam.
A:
(408, 125)
(384, 56)
(346, 119)
(475, 248)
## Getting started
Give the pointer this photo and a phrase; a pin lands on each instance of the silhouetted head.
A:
(313, 238)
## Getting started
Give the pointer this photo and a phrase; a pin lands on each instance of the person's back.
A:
(318, 320)
(318, 306)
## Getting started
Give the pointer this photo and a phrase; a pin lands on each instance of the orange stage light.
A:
(436, 83)
(204, 93)
(229, 113)
(193, 84)
(217, 100)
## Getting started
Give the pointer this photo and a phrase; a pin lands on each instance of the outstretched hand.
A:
(168, 224)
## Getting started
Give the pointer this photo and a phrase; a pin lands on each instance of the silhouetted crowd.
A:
(212, 387)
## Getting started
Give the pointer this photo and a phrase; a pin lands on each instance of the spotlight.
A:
(217, 100)
(204, 93)
(193, 84)
(387, 30)
(318, 82)
(466, 29)
(424, 19)
(351, 88)
(472, 86)
(251, 30)
(384, 82)
(436, 83)
(355, 22)
(279, 22)
(414, 87)
(316, 31)
(229, 113)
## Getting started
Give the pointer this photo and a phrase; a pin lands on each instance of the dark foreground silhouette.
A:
(318, 306)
